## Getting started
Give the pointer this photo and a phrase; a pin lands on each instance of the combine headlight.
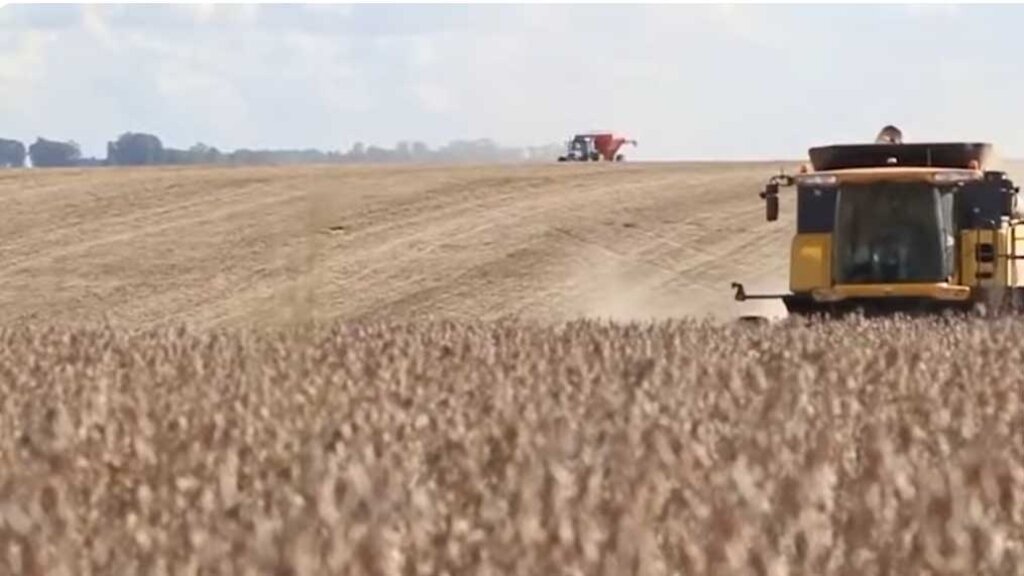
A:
(951, 176)
(817, 179)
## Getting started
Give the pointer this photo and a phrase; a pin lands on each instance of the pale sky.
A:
(689, 82)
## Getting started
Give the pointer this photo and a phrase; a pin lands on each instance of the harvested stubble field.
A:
(311, 418)
(216, 247)
(883, 447)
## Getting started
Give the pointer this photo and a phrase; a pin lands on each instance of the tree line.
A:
(139, 149)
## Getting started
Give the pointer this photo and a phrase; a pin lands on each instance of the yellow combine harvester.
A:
(889, 227)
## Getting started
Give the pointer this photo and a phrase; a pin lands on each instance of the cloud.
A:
(553, 70)
(326, 64)
(94, 23)
(434, 98)
(235, 81)
(424, 52)
(23, 66)
(202, 13)
(40, 17)
(928, 11)
(344, 11)
(205, 99)
(693, 81)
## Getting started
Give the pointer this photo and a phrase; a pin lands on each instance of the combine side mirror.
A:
(771, 198)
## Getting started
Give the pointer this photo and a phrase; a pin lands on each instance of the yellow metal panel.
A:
(1016, 248)
(935, 291)
(984, 274)
(810, 262)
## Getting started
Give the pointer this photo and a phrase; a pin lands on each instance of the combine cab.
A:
(888, 227)
(595, 147)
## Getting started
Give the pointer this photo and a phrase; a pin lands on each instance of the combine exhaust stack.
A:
(889, 135)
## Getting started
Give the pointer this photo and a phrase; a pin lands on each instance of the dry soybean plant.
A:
(856, 447)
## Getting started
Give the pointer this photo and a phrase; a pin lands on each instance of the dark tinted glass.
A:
(889, 233)
(815, 210)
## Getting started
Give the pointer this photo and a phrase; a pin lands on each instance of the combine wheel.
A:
(1016, 299)
(594, 156)
(620, 158)
(753, 320)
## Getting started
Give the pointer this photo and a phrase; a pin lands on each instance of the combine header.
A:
(595, 147)
(889, 226)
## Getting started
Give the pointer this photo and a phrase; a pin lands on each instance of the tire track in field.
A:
(235, 246)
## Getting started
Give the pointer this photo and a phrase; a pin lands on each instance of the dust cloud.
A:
(614, 288)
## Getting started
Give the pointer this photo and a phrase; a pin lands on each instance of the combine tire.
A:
(753, 320)
(619, 158)
(594, 156)
(562, 158)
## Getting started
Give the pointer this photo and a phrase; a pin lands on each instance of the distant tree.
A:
(357, 153)
(90, 162)
(403, 153)
(50, 154)
(544, 153)
(139, 149)
(214, 156)
(176, 157)
(375, 154)
(12, 154)
(281, 157)
(203, 154)
(243, 156)
(482, 150)
(420, 151)
(135, 149)
(197, 154)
